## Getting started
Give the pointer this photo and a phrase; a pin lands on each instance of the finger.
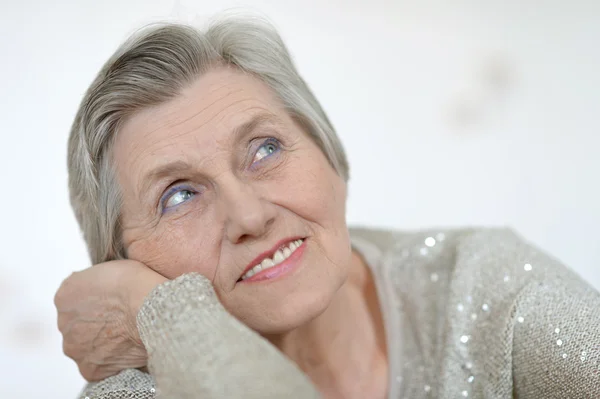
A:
(72, 350)
(63, 287)
(93, 370)
(63, 321)
(89, 372)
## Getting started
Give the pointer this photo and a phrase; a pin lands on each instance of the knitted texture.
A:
(468, 313)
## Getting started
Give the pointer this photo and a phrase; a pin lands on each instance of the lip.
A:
(269, 254)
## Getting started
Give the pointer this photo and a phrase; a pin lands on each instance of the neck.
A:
(343, 350)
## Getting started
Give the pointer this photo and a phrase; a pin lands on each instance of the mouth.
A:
(265, 264)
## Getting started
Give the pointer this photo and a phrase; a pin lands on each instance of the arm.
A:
(192, 345)
(539, 335)
(196, 349)
(556, 347)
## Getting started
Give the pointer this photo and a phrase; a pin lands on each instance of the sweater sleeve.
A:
(556, 340)
(197, 349)
(534, 330)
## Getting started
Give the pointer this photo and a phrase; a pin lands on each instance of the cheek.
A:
(317, 193)
(174, 250)
(314, 192)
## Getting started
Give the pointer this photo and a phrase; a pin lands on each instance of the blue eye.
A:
(176, 196)
(267, 149)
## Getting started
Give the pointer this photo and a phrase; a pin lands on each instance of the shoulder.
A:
(489, 306)
(445, 274)
(129, 383)
(388, 238)
(401, 251)
(486, 249)
(478, 259)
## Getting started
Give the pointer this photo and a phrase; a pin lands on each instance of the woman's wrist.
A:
(163, 306)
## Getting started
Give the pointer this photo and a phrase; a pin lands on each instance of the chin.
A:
(298, 298)
(293, 310)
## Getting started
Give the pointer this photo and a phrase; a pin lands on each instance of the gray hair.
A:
(150, 68)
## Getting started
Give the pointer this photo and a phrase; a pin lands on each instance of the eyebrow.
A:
(239, 132)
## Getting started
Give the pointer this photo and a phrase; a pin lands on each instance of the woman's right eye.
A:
(176, 197)
(268, 148)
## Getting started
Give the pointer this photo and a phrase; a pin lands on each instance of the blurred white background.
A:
(469, 113)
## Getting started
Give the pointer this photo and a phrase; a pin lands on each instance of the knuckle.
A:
(64, 288)
(85, 371)
(69, 349)
(91, 371)
(58, 297)
(62, 323)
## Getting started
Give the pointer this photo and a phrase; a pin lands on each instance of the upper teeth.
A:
(279, 256)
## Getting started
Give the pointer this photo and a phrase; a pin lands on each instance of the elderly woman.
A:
(210, 187)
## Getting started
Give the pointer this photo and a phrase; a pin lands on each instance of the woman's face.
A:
(216, 181)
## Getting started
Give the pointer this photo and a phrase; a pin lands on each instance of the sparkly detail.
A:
(430, 241)
(434, 277)
(464, 339)
(520, 319)
(506, 278)
(485, 307)
(564, 355)
(527, 267)
(559, 342)
(130, 383)
(465, 393)
(557, 330)
(460, 307)
(202, 338)
(471, 266)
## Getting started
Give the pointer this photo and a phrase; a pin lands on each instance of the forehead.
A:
(216, 103)
(203, 116)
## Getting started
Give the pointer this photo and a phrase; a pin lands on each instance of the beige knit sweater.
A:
(468, 313)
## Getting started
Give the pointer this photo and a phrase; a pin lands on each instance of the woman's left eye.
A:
(267, 149)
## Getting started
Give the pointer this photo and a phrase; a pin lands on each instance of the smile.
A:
(266, 266)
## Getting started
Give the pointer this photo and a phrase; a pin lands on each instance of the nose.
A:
(247, 214)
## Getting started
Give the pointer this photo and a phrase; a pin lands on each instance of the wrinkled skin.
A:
(97, 311)
(231, 194)
(242, 204)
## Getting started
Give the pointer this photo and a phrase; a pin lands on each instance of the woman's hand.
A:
(97, 311)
